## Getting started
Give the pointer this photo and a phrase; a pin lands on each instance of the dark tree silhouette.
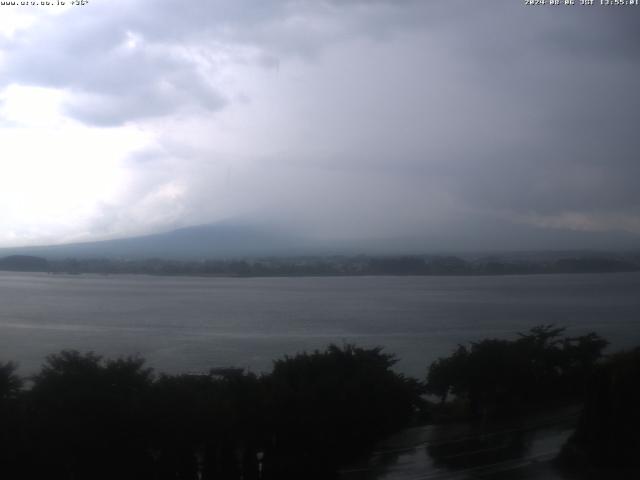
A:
(211, 424)
(448, 373)
(10, 382)
(10, 414)
(89, 417)
(326, 406)
(498, 377)
(607, 434)
(86, 417)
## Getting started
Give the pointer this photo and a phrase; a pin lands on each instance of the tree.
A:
(328, 406)
(10, 383)
(607, 433)
(499, 376)
(11, 416)
(447, 373)
(88, 417)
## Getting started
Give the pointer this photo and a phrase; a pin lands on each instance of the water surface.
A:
(192, 324)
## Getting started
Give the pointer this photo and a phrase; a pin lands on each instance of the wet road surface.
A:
(508, 450)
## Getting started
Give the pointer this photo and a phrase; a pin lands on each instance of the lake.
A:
(182, 324)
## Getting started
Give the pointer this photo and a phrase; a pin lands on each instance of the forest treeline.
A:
(505, 377)
(84, 416)
(328, 266)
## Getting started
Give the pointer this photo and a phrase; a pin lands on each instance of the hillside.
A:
(203, 241)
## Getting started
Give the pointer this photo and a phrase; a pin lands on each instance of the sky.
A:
(434, 122)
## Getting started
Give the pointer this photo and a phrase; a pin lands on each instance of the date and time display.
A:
(605, 3)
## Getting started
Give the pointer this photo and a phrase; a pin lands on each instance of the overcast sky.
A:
(465, 123)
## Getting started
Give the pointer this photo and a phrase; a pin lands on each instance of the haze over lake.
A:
(191, 324)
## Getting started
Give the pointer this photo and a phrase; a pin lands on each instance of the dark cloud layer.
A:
(338, 115)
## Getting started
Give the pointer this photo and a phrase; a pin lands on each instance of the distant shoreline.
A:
(339, 266)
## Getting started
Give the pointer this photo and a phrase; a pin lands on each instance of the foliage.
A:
(87, 416)
(10, 412)
(10, 383)
(90, 417)
(326, 405)
(502, 376)
(607, 435)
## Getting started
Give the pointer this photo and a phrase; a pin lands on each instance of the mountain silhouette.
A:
(221, 240)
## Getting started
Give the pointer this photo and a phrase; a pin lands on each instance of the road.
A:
(520, 449)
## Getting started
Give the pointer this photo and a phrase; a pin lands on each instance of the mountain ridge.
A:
(199, 241)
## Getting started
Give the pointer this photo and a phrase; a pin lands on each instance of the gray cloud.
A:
(358, 118)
